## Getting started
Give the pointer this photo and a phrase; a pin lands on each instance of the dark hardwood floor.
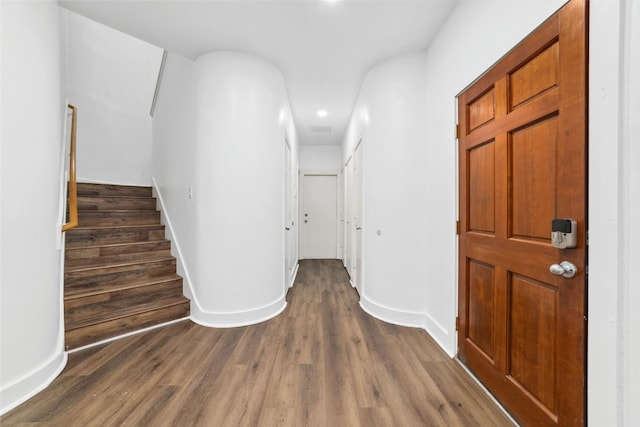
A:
(322, 362)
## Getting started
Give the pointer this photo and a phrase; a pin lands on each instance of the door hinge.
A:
(457, 323)
(457, 131)
(458, 228)
(586, 238)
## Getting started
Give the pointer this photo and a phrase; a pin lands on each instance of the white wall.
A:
(614, 236)
(631, 228)
(173, 158)
(453, 61)
(221, 122)
(321, 157)
(389, 116)
(111, 78)
(630, 372)
(406, 116)
(31, 346)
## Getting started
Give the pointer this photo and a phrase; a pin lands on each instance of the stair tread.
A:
(116, 211)
(150, 258)
(115, 260)
(114, 196)
(117, 328)
(117, 245)
(79, 317)
(117, 227)
(119, 272)
(90, 189)
(81, 292)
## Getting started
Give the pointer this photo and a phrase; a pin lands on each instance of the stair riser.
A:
(155, 291)
(106, 276)
(104, 219)
(94, 333)
(110, 251)
(120, 275)
(77, 238)
(115, 203)
(85, 189)
(71, 264)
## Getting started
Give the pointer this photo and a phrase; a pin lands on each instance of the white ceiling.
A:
(323, 48)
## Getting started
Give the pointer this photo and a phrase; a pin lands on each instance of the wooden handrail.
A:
(73, 189)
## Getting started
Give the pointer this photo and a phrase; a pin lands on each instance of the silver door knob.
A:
(565, 269)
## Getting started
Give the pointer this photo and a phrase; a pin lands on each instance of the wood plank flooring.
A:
(322, 362)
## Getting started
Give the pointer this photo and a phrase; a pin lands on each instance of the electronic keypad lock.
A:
(564, 233)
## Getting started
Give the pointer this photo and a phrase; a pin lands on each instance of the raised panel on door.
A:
(522, 153)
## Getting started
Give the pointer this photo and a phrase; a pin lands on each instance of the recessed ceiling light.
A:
(322, 113)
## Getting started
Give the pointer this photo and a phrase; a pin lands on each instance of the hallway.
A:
(322, 362)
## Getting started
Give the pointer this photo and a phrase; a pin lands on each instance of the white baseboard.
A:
(128, 334)
(392, 315)
(411, 319)
(81, 180)
(238, 318)
(175, 249)
(31, 384)
(294, 275)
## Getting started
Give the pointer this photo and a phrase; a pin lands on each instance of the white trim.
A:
(234, 319)
(604, 347)
(487, 392)
(630, 229)
(407, 318)
(33, 383)
(82, 180)
(392, 315)
(198, 314)
(128, 334)
(440, 335)
(182, 270)
(317, 172)
(294, 275)
(320, 172)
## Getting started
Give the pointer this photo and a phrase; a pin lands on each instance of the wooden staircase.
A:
(119, 274)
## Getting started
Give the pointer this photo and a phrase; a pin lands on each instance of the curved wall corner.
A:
(238, 174)
(31, 318)
(391, 107)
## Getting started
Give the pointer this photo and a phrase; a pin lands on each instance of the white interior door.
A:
(348, 215)
(289, 223)
(357, 276)
(319, 217)
(341, 215)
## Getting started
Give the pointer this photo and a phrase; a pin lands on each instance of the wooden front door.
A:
(522, 151)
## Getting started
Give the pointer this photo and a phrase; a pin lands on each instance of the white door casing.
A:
(318, 216)
(358, 218)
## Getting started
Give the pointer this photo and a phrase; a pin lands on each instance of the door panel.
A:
(358, 217)
(534, 185)
(289, 214)
(482, 188)
(348, 261)
(319, 220)
(522, 152)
